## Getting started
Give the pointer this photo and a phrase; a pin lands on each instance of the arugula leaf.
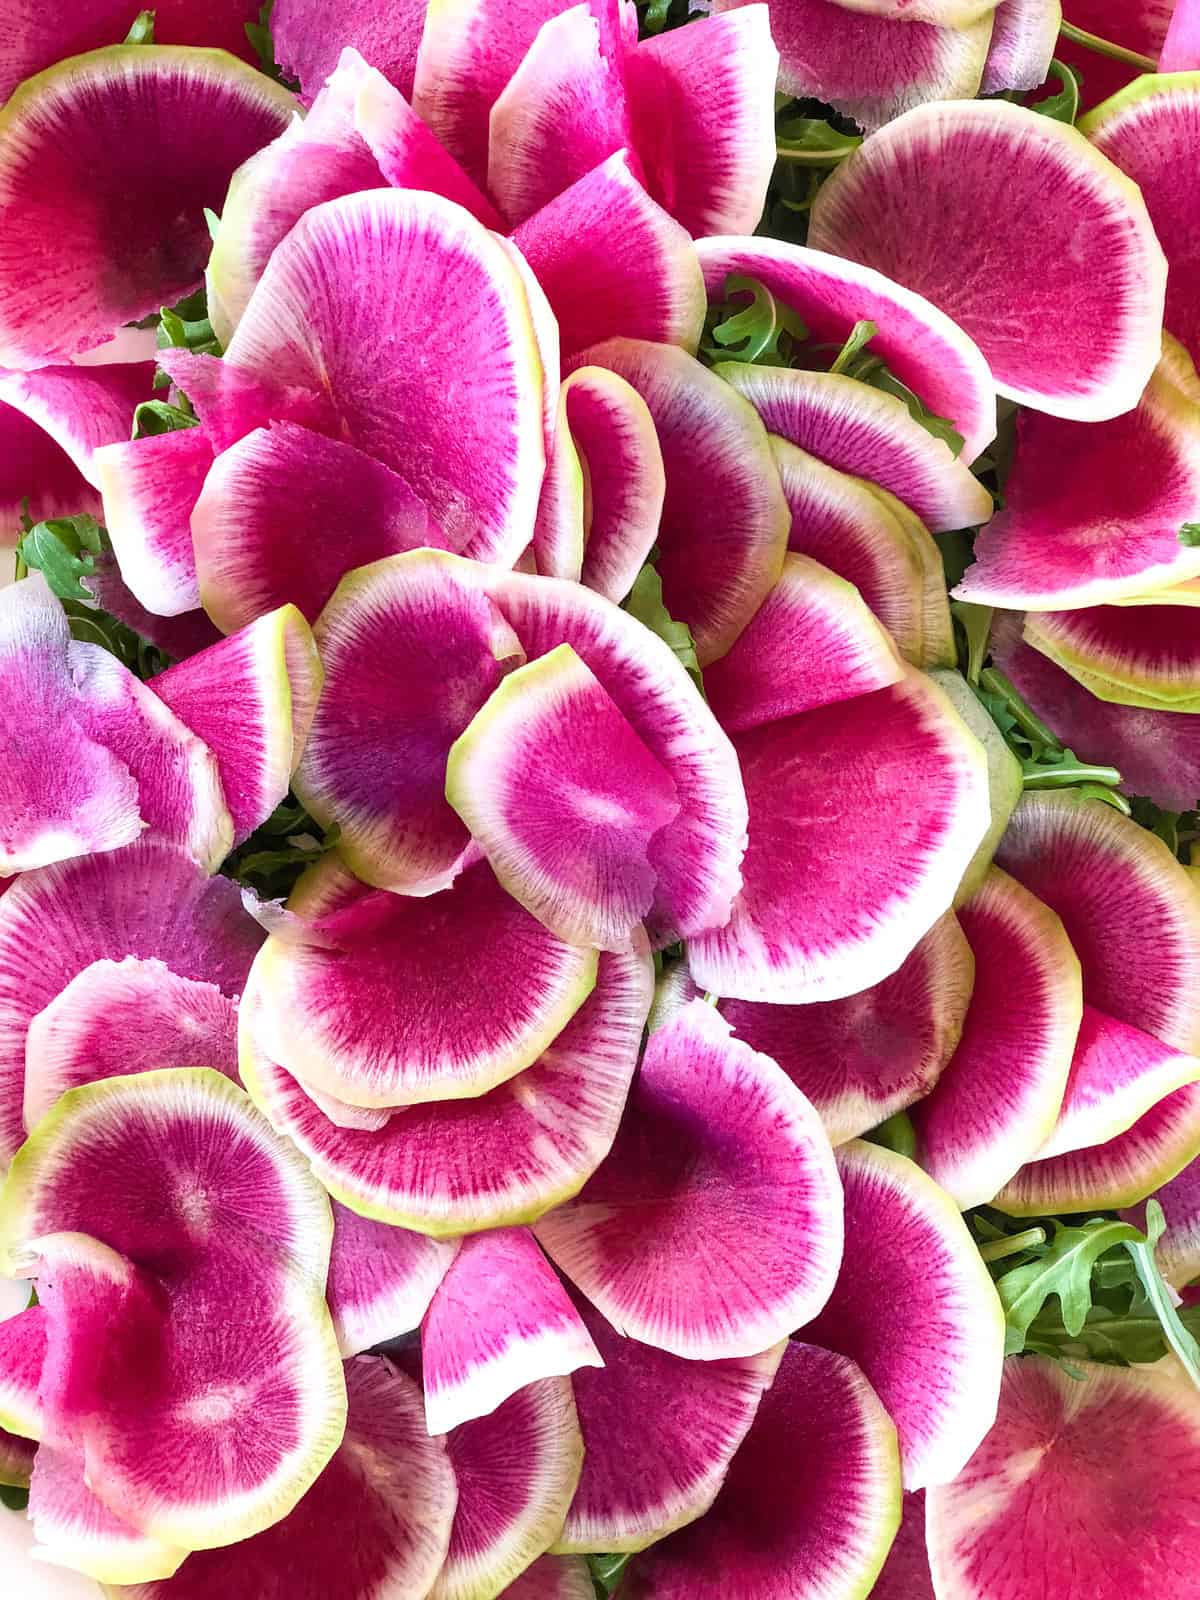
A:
(156, 416)
(761, 331)
(607, 1572)
(813, 142)
(1158, 1295)
(64, 550)
(645, 602)
(857, 340)
(896, 1133)
(1062, 1268)
(1189, 534)
(1063, 105)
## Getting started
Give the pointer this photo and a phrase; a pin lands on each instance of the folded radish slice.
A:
(549, 1578)
(381, 1279)
(82, 139)
(1032, 1491)
(149, 487)
(499, 1320)
(1025, 36)
(659, 1434)
(1089, 276)
(720, 1167)
(309, 49)
(919, 342)
(516, 1471)
(932, 1345)
(1136, 655)
(998, 1098)
(776, 1534)
(505, 1157)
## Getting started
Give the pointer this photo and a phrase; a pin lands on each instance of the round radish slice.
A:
(309, 49)
(659, 1434)
(74, 1528)
(924, 1324)
(1089, 276)
(919, 343)
(504, 1157)
(1071, 1452)
(721, 1173)
(381, 1279)
(549, 1578)
(998, 1097)
(1024, 40)
(84, 139)
(315, 321)
(516, 1472)
(1139, 655)
(775, 1533)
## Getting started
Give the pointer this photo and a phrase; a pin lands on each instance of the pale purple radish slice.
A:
(1178, 1251)
(17, 1456)
(1051, 1487)
(120, 1017)
(77, 1531)
(866, 433)
(1023, 43)
(1142, 655)
(1181, 47)
(381, 1279)
(723, 529)
(22, 1357)
(612, 262)
(852, 911)
(149, 487)
(564, 800)
(721, 1168)
(83, 139)
(905, 1574)
(1143, 129)
(1095, 258)
(561, 113)
(778, 1534)
(516, 1470)
(998, 1098)
(309, 49)
(410, 655)
(1130, 909)
(862, 1059)
(659, 1433)
(315, 321)
(389, 1485)
(251, 699)
(147, 900)
(499, 1320)
(919, 343)
(549, 1578)
(931, 1343)
(506, 1157)
(701, 106)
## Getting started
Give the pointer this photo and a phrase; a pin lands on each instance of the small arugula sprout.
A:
(64, 551)
(142, 30)
(645, 602)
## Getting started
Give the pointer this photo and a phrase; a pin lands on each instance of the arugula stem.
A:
(1069, 773)
(1105, 47)
(1000, 1249)
(994, 681)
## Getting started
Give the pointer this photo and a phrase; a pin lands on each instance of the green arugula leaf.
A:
(1063, 1268)
(607, 1572)
(153, 417)
(813, 142)
(64, 550)
(1189, 534)
(1158, 1295)
(896, 1133)
(142, 31)
(645, 602)
(758, 331)
(857, 340)
(1063, 105)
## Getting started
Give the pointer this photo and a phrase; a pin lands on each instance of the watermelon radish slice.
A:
(1070, 1452)
(659, 1434)
(549, 1578)
(230, 399)
(502, 1158)
(149, 487)
(1117, 533)
(945, 13)
(869, 67)
(1023, 43)
(1143, 129)
(919, 343)
(931, 1343)
(388, 1481)
(251, 698)
(775, 1534)
(558, 534)
(1006, 780)
(410, 655)
(1138, 25)
(120, 1017)
(310, 50)
(76, 1530)
(38, 1579)
(1181, 47)
(1139, 655)
(723, 529)
(756, 1203)
(866, 433)
(22, 1357)
(905, 1574)
(1178, 1251)
(82, 139)
(998, 1098)
(1097, 259)
(499, 1320)
(612, 262)
(311, 323)
(381, 1279)
(516, 1471)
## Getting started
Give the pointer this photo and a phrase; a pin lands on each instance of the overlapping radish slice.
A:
(919, 342)
(381, 1279)
(862, 911)
(1094, 257)
(516, 1470)
(775, 1533)
(76, 1530)
(946, 13)
(1052, 1484)
(905, 1574)
(1178, 1251)
(549, 1578)
(314, 323)
(83, 139)
(502, 1158)
(721, 1173)
(388, 1482)
(612, 262)
(1006, 780)
(723, 527)
(22, 1357)
(1181, 47)
(924, 1323)
(1136, 481)
(871, 67)
(149, 487)
(1135, 655)
(659, 1433)
(1022, 46)
(499, 1320)
(866, 433)
(998, 1098)
(309, 49)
